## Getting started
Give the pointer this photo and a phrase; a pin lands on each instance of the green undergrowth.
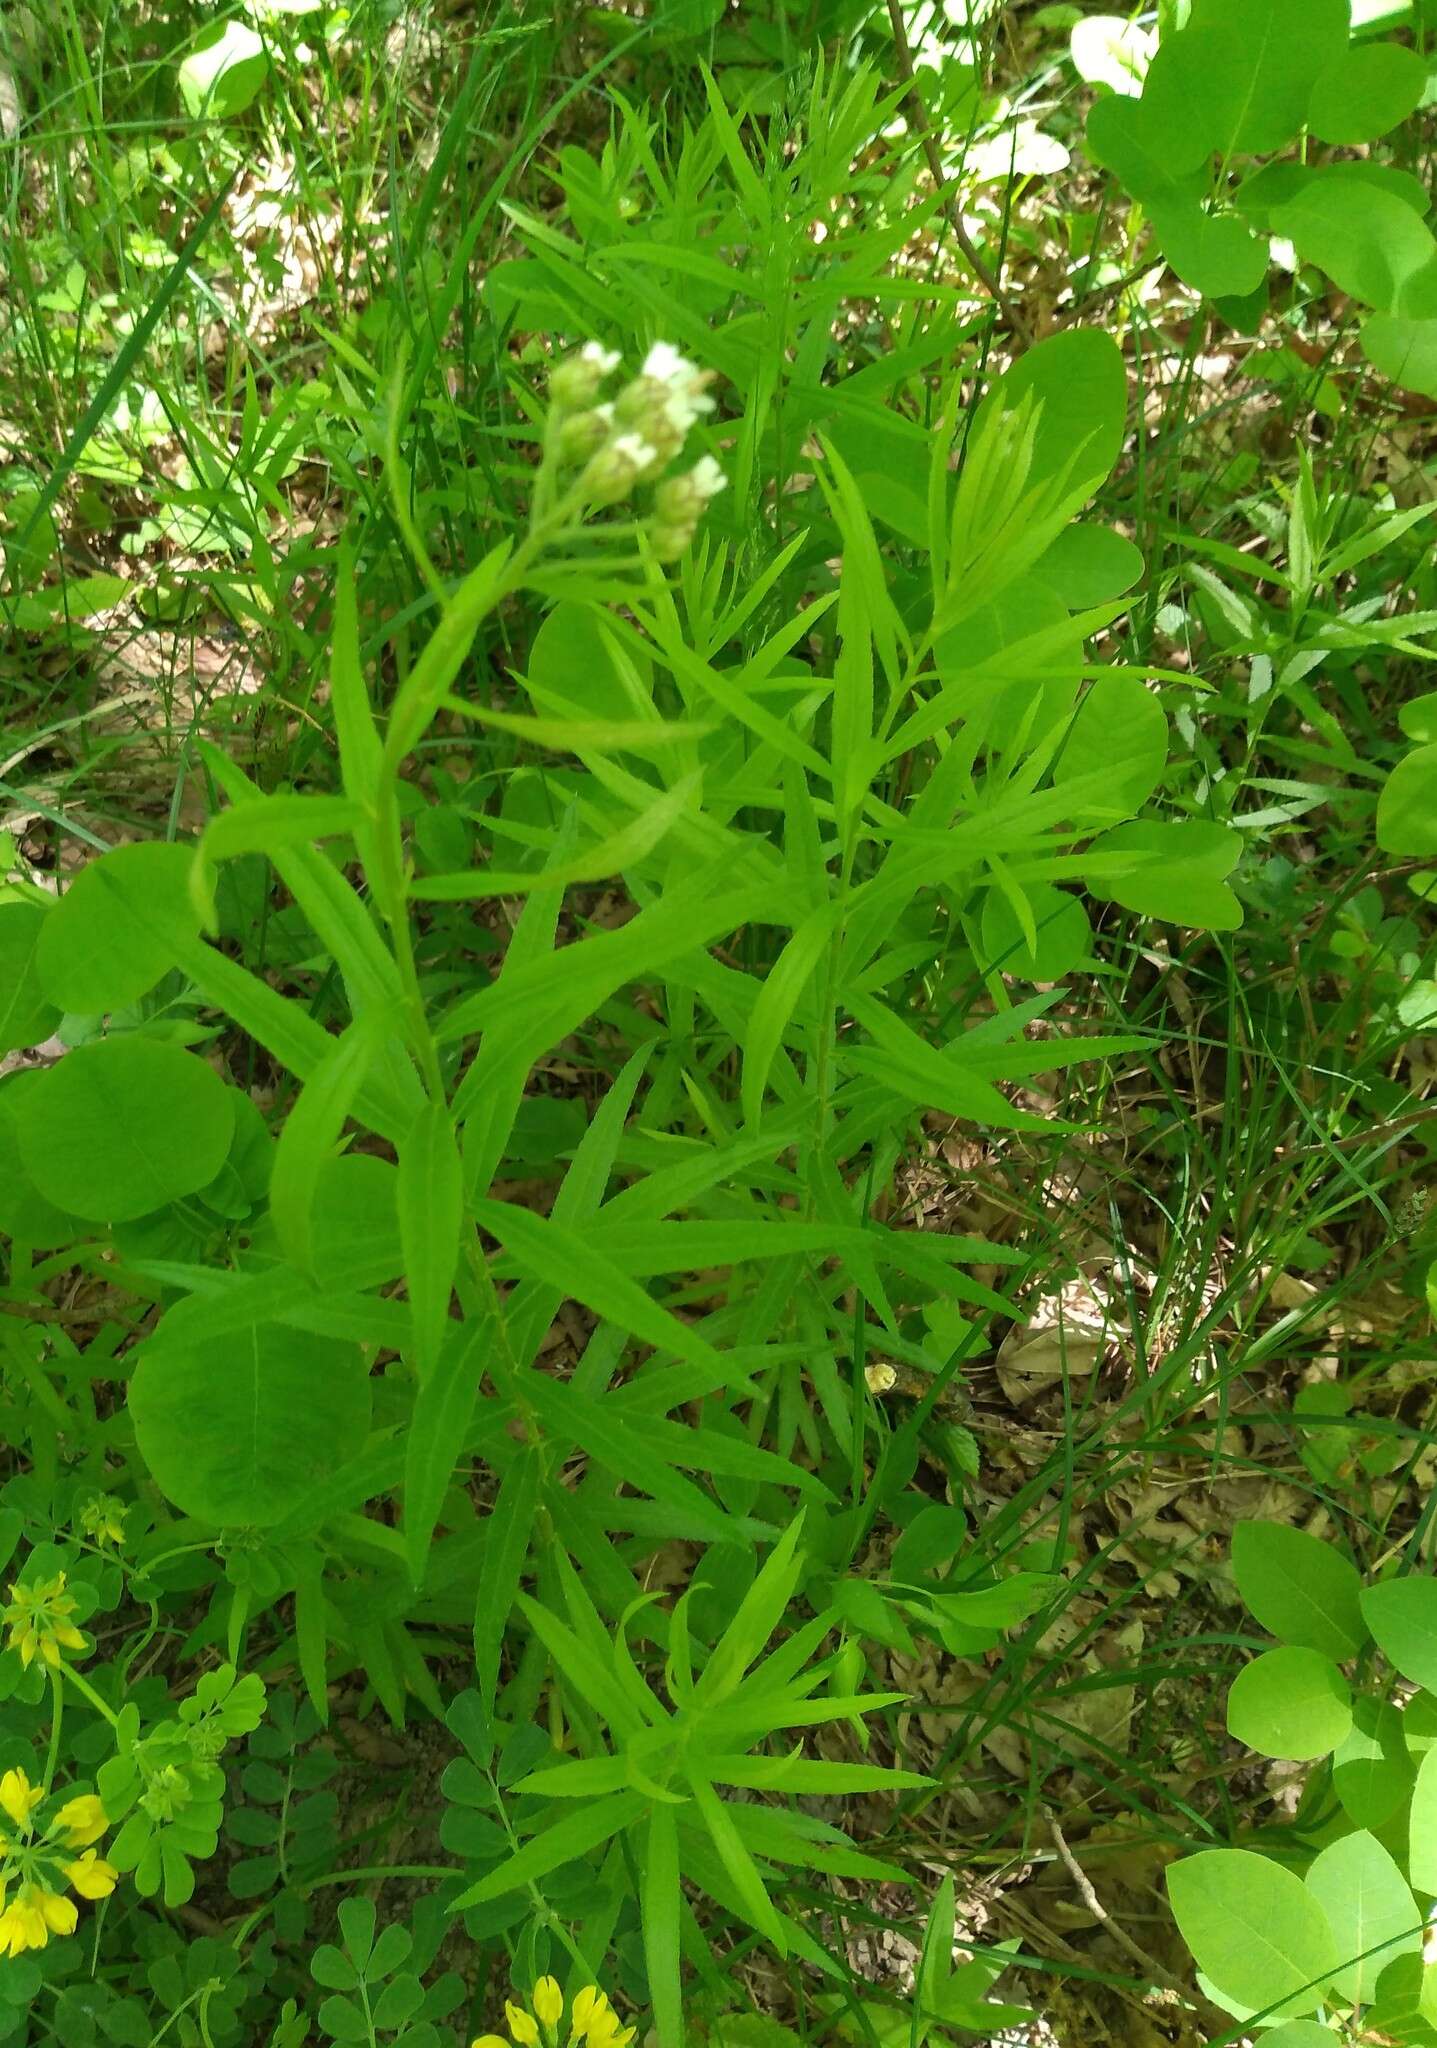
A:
(715, 957)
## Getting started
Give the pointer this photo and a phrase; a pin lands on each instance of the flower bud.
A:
(618, 466)
(575, 381)
(584, 433)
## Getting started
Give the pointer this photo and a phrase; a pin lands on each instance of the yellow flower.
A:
(103, 1518)
(39, 1621)
(591, 2009)
(82, 1820)
(34, 1916)
(92, 1877)
(19, 1797)
(548, 2002)
(592, 2020)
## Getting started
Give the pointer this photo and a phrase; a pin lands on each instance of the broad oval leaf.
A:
(1407, 807)
(1254, 1929)
(1305, 1591)
(1402, 1615)
(237, 1431)
(1290, 1703)
(119, 1128)
(1120, 733)
(26, 1014)
(1370, 1906)
(120, 925)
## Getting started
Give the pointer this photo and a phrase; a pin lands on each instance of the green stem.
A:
(84, 1687)
(53, 1754)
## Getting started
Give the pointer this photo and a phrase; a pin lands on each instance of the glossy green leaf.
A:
(1407, 807)
(1060, 925)
(225, 71)
(1302, 1589)
(119, 927)
(1172, 870)
(1422, 1827)
(1371, 1769)
(119, 1128)
(1254, 1929)
(1086, 564)
(1290, 1702)
(1367, 241)
(1370, 1906)
(1402, 1615)
(238, 1430)
(1079, 380)
(1404, 350)
(1368, 91)
(1121, 734)
(27, 1015)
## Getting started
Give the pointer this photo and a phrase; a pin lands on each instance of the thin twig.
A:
(1100, 1912)
(989, 280)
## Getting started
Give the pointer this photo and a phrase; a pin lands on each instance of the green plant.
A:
(1325, 1918)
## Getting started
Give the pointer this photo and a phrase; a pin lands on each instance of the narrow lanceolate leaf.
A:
(588, 735)
(743, 1871)
(662, 1911)
(431, 1216)
(437, 1432)
(778, 999)
(257, 827)
(311, 1633)
(912, 1068)
(570, 1837)
(507, 1536)
(609, 856)
(311, 1132)
(565, 1259)
(360, 751)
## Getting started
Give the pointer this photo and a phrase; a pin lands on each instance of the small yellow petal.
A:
(548, 2002)
(81, 1820)
(60, 1913)
(19, 1797)
(92, 1877)
(521, 2024)
(489, 2041)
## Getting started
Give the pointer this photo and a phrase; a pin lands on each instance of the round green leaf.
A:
(24, 1211)
(1407, 807)
(1064, 934)
(1254, 1929)
(1370, 1907)
(1086, 564)
(1169, 868)
(224, 72)
(1300, 2034)
(1119, 736)
(26, 1017)
(1290, 1703)
(114, 931)
(1371, 1770)
(1402, 1615)
(239, 1429)
(1367, 241)
(1304, 1591)
(1369, 90)
(121, 1127)
(1080, 379)
(1422, 1826)
(1404, 350)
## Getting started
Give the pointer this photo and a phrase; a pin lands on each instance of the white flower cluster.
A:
(631, 439)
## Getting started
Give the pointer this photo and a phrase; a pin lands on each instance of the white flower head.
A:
(604, 360)
(706, 478)
(667, 396)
